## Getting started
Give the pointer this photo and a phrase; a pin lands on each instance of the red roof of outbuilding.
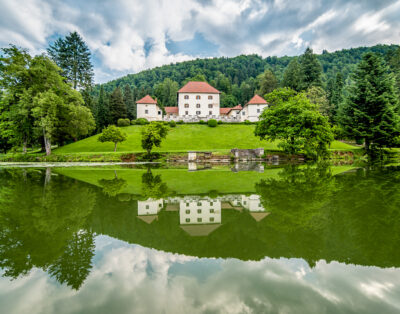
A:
(257, 100)
(224, 110)
(198, 87)
(146, 100)
(238, 107)
(171, 110)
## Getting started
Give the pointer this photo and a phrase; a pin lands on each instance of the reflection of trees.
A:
(298, 194)
(153, 187)
(39, 224)
(114, 186)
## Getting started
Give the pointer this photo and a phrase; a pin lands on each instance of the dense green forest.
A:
(232, 75)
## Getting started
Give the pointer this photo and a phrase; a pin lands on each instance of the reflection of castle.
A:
(200, 215)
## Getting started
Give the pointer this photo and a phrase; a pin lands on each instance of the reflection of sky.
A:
(133, 279)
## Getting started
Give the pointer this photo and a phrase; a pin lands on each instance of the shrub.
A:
(180, 122)
(220, 122)
(123, 122)
(133, 122)
(172, 123)
(142, 121)
(247, 122)
(202, 122)
(212, 123)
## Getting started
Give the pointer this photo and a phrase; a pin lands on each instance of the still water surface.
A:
(247, 239)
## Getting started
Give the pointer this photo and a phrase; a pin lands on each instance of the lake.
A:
(247, 238)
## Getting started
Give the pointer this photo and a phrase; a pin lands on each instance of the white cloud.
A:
(129, 36)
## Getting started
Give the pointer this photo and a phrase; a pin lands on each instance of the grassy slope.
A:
(184, 138)
(182, 181)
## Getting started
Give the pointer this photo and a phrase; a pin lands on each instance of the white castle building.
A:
(200, 101)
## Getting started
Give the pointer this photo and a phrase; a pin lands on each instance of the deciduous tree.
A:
(112, 134)
(153, 134)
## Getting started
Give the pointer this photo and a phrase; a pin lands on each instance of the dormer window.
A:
(186, 97)
(198, 97)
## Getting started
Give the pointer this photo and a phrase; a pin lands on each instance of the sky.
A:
(128, 36)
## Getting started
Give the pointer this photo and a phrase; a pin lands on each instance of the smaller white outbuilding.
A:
(253, 109)
(147, 108)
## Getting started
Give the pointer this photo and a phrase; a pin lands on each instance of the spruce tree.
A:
(102, 114)
(129, 102)
(117, 106)
(267, 82)
(72, 55)
(292, 76)
(336, 95)
(369, 112)
(310, 70)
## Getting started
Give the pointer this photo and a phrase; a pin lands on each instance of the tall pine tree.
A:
(72, 55)
(369, 112)
(117, 106)
(310, 70)
(129, 102)
(292, 76)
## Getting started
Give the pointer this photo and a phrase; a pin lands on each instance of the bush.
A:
(133, 122)
(212, 123)
(220, 122)
(202, 122)
(142, 121)
(172, 123)
(180, 122)
(247, 122)
(123, 122)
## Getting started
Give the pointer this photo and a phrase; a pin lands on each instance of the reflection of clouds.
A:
(129, 278)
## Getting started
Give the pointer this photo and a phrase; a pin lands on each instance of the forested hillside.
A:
(237, 76)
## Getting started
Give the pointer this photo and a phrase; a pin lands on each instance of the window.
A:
(187, 211)
(147, 206)
(211, 219)
(160, 205)
(187, 204)
(198, 112)
(199, 220)
(159, 112)
(209, 97)
(211, 210)
(210, 106)
(199, 211)
(197, 105)
(211, 203)
(187, 219)
(210, 113)
(186, 112)
(146, 111)
(198, 203)
(258, 110)
(186, 105)
(243, 113)
(198, 97)
(244, 202)
(186, 97)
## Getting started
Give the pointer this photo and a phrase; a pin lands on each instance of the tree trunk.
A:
(24, 146)
(115, 147)
(47, 177)
(47, 143)
(366, 144)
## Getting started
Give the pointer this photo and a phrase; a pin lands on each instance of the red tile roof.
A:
(257, 100)
(171, 110)
(146, 100)
(224, 110)
(198, 87)
(238, 107)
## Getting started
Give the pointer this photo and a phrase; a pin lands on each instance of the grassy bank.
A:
(184, 138)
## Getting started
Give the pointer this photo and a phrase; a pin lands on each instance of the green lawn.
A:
(185, 138)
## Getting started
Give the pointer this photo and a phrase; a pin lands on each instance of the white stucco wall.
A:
(253, 112)
(203, 101)
(154, 113)
(252, 203)
(199, 211)
(149, 207)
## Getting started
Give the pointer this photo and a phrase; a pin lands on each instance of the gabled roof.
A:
(258, 216)
(238, 107)
(224, 110)
(171, 110)
(148, 218)
(200, 230)
(257, 100)
(146, 100)
(198, 87)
